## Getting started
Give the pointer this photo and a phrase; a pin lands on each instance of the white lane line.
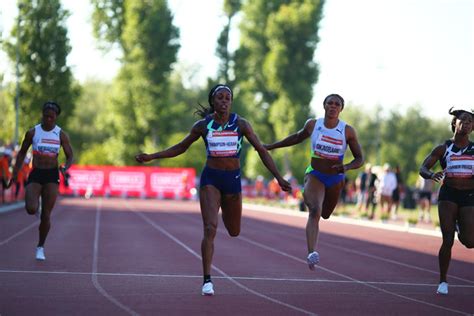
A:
(364, 254)
(282, 253)
(245, 278)
(27, 228)
(225, 275)
(95, 260)
(350, 278)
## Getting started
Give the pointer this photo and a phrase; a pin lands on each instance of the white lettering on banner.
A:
(222, 143)
(83, 179)
(127, 180)
(168, 181)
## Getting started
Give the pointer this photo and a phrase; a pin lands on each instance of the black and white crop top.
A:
(458, 162)
(46, 143)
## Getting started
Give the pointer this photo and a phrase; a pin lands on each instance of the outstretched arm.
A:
(176, 150)
(435, 155)
(295, 138)
(263, 153)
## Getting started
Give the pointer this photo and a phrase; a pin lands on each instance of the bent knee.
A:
(31, 209)
(234, 232)
(467, 242)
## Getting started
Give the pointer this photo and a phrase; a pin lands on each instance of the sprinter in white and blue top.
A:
(46, 139)
(220, 187)
(456, 195)
(324, 178)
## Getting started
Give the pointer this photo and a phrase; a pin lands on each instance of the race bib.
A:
(222, 143)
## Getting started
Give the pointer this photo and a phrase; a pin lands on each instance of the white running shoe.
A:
(207, 289)
(313, 259)
(442, 288)
(40, 254)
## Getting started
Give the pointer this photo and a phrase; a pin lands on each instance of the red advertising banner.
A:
(145, 182)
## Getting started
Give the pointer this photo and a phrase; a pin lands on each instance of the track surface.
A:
(142, 257)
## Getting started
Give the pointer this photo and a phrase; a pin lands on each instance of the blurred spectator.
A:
(259, 186)
(425, 190)
(274, 189)
(5, 160)
(22, 176)
(362, 183)
(371, 191)
(388, 183)
(397, 192)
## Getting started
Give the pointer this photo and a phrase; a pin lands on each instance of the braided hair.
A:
(336, 96)
(204, 111)
(51, 105)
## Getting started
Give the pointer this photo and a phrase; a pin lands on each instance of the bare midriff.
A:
(324, 165)
(45, 162)
(459, 183)
(221, 163)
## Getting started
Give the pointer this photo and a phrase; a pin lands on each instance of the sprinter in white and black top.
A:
(456, 196)
(324, 178)
(46, 139)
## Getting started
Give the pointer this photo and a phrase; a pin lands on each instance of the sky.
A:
(372, 52)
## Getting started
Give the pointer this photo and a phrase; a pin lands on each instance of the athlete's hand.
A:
(340, 168)
(9, 183)
(284, 185)
(437, 176)
(142, 158)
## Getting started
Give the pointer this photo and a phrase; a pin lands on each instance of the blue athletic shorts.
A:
(327, 179)
(226, 181)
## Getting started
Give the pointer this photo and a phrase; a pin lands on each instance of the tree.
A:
(43, 50)
(231, 8)
(142, 114)
(275, 68)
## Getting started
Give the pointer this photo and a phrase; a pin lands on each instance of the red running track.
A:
(142, 257)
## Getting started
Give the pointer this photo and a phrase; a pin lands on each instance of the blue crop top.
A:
(224, 142)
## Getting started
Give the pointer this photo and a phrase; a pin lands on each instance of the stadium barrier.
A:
(139, 182)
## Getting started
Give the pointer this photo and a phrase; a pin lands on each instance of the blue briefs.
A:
(226, 181)
(327, 179)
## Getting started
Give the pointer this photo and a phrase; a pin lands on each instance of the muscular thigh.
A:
(32, 194)
(210, 201)
(314, 191)
(232, 209)
(49, 194)
(331, 198)
(448, 212)
(466, 220)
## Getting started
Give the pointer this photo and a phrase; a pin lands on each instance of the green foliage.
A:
(142, 116)
(43, 50)
(8, 115)
(108, 22)
(275, 67)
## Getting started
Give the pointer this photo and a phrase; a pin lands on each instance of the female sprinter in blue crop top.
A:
(456, 195)
(324, 178)
(46, 139)
(220, 185)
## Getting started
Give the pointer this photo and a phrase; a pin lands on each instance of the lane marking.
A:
(282, 253)
(406, 265)
(225, 275)
(95, 260)
(244, 278)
